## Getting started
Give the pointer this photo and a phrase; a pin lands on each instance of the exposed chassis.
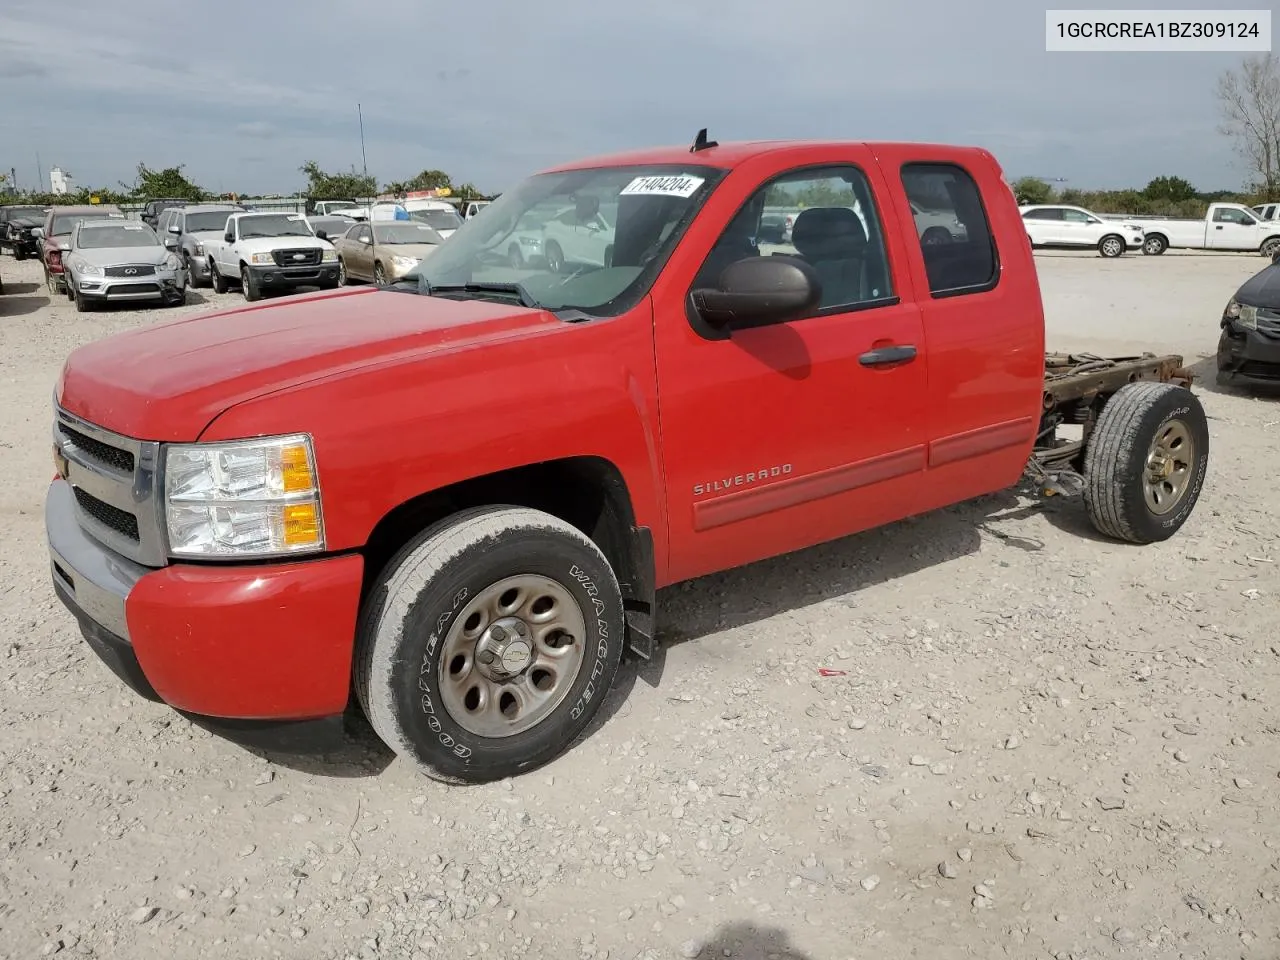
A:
(1076, 388)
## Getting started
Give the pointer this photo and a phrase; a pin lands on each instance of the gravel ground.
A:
(1041, 744)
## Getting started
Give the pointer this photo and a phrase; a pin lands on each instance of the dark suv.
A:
(16, 222)
(151, 212)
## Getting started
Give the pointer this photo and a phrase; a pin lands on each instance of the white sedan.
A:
(1059, 225)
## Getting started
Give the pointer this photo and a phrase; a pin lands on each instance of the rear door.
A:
(785, 435)
(983, 324)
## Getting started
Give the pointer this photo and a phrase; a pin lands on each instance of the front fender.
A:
(401, 427)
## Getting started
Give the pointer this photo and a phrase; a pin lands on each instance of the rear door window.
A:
(951, 223)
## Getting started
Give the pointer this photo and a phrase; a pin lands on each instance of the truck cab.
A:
(451, 500)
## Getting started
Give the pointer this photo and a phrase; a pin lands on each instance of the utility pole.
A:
(39, 174)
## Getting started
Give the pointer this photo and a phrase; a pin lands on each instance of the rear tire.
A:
(1111, 246)
(1145, 463)
(1270, 247)
(420, 672)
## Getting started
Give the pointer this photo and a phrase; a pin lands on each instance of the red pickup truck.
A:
(452, 499)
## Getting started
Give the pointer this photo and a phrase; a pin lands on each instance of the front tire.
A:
(218, 281)
(379, 275)
(249, 286)
(1145, 463)
(555, 256)
(1111, 246)
(1154, 245)
(488, 643)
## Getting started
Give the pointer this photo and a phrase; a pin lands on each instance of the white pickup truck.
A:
(270, 251)
(1227, 226)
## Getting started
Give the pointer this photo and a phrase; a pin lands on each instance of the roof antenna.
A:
(700, 142)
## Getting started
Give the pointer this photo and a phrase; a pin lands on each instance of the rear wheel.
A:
(1146, 460)
(488, 643)
(1112, 245)
(1270, 247)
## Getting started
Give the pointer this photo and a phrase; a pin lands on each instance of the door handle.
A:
(885, 355)
(1218, 227)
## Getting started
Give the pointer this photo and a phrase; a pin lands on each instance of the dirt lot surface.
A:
(1042, 745)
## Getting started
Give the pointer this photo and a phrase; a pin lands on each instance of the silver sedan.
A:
(118, 260)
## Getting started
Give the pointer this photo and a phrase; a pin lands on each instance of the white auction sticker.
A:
(1157, 31)
(670, 186)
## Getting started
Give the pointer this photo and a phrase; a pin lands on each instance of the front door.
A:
(1232, 229)
(784, 435)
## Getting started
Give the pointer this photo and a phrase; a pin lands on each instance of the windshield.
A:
(273, 225)
(437, 219)
(405, 233)
(16, 213)
(207, 221)
(63, 224)
(113, 235)
(602, 236)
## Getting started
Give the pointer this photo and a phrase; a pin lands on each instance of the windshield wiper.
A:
(517, 289)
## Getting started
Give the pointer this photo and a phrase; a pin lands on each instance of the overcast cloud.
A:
(244, 92)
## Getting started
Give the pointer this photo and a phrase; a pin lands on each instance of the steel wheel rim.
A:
(497, 682)
(1168, 468)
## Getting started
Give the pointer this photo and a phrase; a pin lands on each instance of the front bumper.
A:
(1248, 356)
(244, 641)
(161, 285)
(275, 277)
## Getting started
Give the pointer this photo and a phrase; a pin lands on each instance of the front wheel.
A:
(1111, 245)
(379, 275)
(488, 643)
(218, 281)
(249, 286)
(555, 256)
(1145, 462)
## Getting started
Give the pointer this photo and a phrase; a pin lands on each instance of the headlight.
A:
(199, 248)
(404, 263)
(83, 266)
(261, 258)
(171, 262)
(1248, 317)
(247, 498)
(329, 256)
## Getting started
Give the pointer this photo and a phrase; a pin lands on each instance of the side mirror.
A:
(759, 290)
(37, 233)
(368, 240)
(64, 246)
(229, 237)
(173, 228)
(171, 243)
(322, 235)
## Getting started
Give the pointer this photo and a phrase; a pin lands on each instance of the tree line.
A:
(171, 182)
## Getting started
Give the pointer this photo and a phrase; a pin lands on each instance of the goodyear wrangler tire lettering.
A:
(422, 616)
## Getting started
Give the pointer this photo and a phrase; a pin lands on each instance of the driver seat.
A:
(834, 242)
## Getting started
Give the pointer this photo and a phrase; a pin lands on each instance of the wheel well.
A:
(1274, 236)
(1146, 234)
(587, 492)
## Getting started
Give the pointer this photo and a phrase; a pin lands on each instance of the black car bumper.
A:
(1248, 356)
(271, 277)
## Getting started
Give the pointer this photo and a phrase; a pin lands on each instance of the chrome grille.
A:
(117, 486)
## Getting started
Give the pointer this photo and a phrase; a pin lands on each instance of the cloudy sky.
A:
(244, 92)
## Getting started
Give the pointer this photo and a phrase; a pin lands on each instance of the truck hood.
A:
(169, 381)
(267, 244)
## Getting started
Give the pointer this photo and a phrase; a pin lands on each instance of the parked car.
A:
(1267, 211)
(325, 208)
(1249, 345)
(117, 260)
(330, 227)
(382, 251)
(1226, 226)
(54, 237)
(151, 211)
(185, 230)
(580, 236)
(270, 251)
(16, 223)
(452, 499)
(469, 208)
(1062, 225)
(438, 215)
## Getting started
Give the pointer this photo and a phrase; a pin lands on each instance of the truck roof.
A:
(726, 155)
